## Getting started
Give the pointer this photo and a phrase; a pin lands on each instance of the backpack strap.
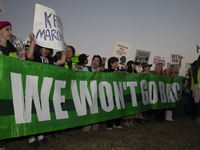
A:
(89, 68)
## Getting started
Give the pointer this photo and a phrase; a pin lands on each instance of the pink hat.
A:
(2, 23)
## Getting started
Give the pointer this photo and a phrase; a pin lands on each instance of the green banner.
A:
(37, 98)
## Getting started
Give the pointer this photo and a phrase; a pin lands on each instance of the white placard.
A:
(187, 66)
(122, 51)
(174, 59)
(20, 42)
(142, 56)
(48, 28)
(157, 59)
(104, 60)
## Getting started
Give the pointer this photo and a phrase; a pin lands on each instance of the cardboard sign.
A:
(168, 65)
(187, 66)
(122, 51)
(20, 44)
(104, 60)
(2, 9)
(157, 59)
(48, 28)
(142, 56)
(174, 59)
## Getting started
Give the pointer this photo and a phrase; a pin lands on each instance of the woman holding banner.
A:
(160, 113)
(70, 52)
(112, 66)
(6, 48)
(96, 62)
(42, 55)
(129, 119)
(168, 112)
(146, 70)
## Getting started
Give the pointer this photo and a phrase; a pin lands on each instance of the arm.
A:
(62, 60)
(31, 48)
(65, 45)
(179, 65)
(189, 71)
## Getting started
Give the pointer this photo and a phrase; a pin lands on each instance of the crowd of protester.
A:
(63, 58)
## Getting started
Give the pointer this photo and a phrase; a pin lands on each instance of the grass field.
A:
(177, 135)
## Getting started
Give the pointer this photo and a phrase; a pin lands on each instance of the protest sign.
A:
(2, 9)
(187, 66)
(20, 44)
(48, 28)
(157, 59)
(104, 61)
(37, 98)
(168, 65)
(174, 59)
(142, 56)
(122, 51)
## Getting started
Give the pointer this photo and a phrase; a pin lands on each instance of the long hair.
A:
(157, 70)
(130, 69)
(172, 69)
(165, 72)
(38, 50)
(112, 60)
(58, 55)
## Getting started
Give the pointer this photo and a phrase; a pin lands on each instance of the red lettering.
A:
(121, 49)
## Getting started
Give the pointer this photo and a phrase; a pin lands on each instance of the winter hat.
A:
(2, 23)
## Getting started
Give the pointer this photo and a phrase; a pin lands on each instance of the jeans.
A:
(198, 110)
(188, 104)
(178, 112)
(115, 121)
(1, 143)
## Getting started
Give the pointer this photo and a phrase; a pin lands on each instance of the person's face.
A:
(114, 65)
(167, 72)
(86, 62)
(147, 69)
(6, 33)
(95, 62)
(133, 66)
(102, 68)
(45, 51)
(69, 53)
(160, 67)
